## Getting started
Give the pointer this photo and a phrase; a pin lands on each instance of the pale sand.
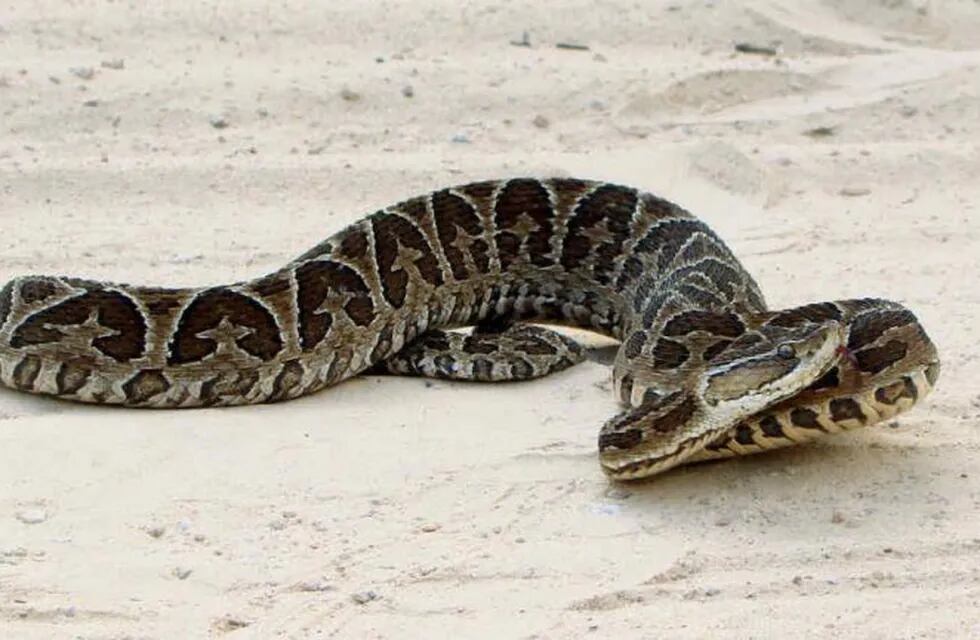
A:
(469, 510)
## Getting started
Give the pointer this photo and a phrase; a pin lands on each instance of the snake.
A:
(470, 282)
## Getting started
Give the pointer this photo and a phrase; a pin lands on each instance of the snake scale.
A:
(704, 369)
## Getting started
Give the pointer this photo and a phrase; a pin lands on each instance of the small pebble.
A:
(797, 580)
(820, 132)
(853, 192)
(70, 611)
(430, 528)
(712, 591)
(837, 517)
(32, 516)
(408, 91)
(541, 122)
(364, 597)
(618, 493)
(230, 624)
(182, 574)
(520, 540)
(90, 103)
(460, 138)
(218, 122)
(155, 532)
(115, 63)
(85, 73)
(349, 95)
(262, 112)
(315, 586)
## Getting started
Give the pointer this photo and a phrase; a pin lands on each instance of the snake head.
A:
(753, 371)
(767, 365)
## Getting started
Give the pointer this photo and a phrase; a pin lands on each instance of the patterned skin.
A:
(705, 369)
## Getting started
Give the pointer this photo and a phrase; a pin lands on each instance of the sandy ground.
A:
(203, 142)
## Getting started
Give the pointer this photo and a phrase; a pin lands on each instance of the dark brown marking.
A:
(868, 327)
(521, 202)
(818, 312)
(6, 302)
(480, 191)
(535, 345)
(632, 269)
(286, 382)
(771, 427)
(36, 290)
(877, 359)
(26, 372)
(634, 344)
(626, 388)
(743, 435)
(521, 369)
(890, 394)
(446, 365)
(353, 245)
(846, 409)
(392, 233)
(669, 354)
(315, 282)
(482, 344)
(482, 369)
(658, 207)
(206, 312)
(720, 324)
(611, 207)
(244, 382)
(115, 312)
(145, 385)
(828, 380)
(720, 273)
(714, 350)
(626, 439)
(699, 297)
(383, 346)
(666, 239)
(457, 223)
(272, 284)
(805, 418)
(209, 393)
(71, 377)
(677, 416)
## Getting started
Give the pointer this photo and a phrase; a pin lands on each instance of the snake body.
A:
(704, 369)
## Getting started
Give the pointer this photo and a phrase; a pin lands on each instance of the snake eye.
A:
(786, 351)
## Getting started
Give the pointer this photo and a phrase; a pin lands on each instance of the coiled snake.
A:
(704, 369)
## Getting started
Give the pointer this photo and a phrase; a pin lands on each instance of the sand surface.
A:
(200, 142)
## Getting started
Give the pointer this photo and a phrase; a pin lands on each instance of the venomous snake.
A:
(704, 369)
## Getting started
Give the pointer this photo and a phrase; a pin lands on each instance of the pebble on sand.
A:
(349, 95)
(32, 516)
(85, 73)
